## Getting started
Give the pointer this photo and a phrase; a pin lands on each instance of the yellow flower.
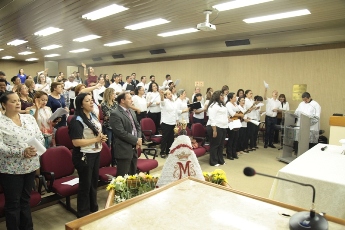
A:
(119, 178)
(148, 176)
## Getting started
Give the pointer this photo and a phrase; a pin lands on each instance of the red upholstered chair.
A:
(62, 137)
(145, 165)
(69, 118)
(105, 167)
(199, 133)
(57, 167)
(148, 130)
(101, 116)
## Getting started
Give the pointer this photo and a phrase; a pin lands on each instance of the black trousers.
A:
(17, 190)
(276, 133)
(156, 117)
(167, 137)
(141, 116)
(231, 146)
(216, 145)
(128, 165)
(251, 134)
(242, 143)
(256, 133)
(88, 182)
(270, 125)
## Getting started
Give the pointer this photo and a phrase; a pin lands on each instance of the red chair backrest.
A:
(69, 118)
(147, 124)
(62, 137)
(198, 130)
(139, 152)
(105, 156)
(101, 116)
(58, 160)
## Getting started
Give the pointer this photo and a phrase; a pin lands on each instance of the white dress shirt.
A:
(96, 94)
(284, 106)
(169, 112)
(247, 105)
(218, 116)
(68, 85)
(243, 110)
(180, 106)
(270, 105)
(199, 115)
(140, 103)
(232, 109)
(116, 86)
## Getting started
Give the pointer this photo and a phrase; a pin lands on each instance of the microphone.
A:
(324, 148)
(300, 220)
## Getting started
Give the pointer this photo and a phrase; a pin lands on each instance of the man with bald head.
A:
(272, 105)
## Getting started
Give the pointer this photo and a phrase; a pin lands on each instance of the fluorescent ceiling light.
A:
(178, 32)
(238, 4)
(7, 57)
(104, 12)
(51, 47)
(31, 59)
(86, 38)
(48, 31)
(16, 42)
(117, 43)
(1, 49)
(52, 55)
(26, 53)
(79, 50)
(141, 25)
(277, 16)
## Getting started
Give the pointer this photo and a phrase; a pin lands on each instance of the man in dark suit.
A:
(127, 134)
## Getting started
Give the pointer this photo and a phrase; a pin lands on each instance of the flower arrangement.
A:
(131, 186)
(218, 176)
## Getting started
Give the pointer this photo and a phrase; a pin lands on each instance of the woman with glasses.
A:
(216, 128)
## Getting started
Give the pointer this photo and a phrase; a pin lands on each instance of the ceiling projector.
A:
(206, 26)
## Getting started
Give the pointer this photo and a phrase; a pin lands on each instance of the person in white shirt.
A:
(128, 82)
(257, 100)
(99, 92)
(250, 111)
(70, 85)
(42, 84)
(242, 145)
(153, 102)
(181, 106)
(216, 128)
(169, 121)
(173, 92)
(284, 106)
(233, 135)
(312, 109)
(225, 91)
(116, 84)
(198, 114)
(139, 102)
(272, 106)
(143, 84)
(167, 81)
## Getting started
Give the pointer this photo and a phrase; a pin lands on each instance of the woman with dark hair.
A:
(56, 100)
(85, 131)
(250, 107)
(240, 93)
(198, 114)
(242, 145)
(21, 75)
(16, 81)
(140, 103)
(284, 106)
(18, 161)
(225, 91)
(106, 80)
(257, 99)
(169, 121)
(153, 101)
(216, 128)
(233, 110)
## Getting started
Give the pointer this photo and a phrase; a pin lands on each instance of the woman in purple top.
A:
(21, 75)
